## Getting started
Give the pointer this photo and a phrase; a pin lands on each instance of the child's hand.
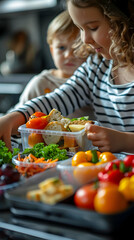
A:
(5, 131)
(105, 139)
(9, 125)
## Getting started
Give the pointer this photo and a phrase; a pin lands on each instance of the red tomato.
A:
(84, 196)
(128, 160)
(37, 114)
(37, 123)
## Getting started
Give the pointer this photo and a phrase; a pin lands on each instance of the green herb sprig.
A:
(80, 118)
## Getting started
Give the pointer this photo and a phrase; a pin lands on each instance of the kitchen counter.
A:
(17, 228)
(23, 229)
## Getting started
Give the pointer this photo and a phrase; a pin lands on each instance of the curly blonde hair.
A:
(121, 19)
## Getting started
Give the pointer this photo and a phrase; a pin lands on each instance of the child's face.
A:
(94, 28)
(62, 53)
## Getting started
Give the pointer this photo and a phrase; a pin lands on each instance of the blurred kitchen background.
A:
(24, 51)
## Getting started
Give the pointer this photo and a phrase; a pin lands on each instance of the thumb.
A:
(91, 128)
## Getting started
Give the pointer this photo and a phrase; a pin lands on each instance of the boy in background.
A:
(61, 36)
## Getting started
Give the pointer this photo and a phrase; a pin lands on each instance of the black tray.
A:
(64, 212)
(4, 204)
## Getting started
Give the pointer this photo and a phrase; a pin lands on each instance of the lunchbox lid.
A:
(23, 129)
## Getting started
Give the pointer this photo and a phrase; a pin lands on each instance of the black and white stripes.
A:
(91, 83)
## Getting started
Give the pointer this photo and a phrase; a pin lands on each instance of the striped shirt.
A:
(91, 84)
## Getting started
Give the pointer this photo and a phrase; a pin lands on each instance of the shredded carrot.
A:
(40, 160)
(19, 158)
(32, 158)
(55, 160)
(29, 169)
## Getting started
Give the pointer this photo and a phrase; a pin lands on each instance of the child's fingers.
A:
(93, 132)
(88, 127)
(103, 149)
(100, 145)
(92, 128)
(103, 145)
(92, 136)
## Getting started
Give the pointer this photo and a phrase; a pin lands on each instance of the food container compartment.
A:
(81, 175)
(62, 213)
(28, 169)
(72, 141)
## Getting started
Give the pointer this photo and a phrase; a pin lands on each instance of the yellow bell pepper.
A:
(106, 157)
(126, 186)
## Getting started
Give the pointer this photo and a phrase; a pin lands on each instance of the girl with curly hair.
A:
(106, 82)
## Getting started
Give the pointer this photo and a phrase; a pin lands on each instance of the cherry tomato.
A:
(84, 196)
(37, 123)
(37, 114)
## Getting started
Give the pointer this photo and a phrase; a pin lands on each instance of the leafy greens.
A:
(51, 151)
(5, 154)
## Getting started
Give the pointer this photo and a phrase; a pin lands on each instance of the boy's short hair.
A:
(61, 24)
